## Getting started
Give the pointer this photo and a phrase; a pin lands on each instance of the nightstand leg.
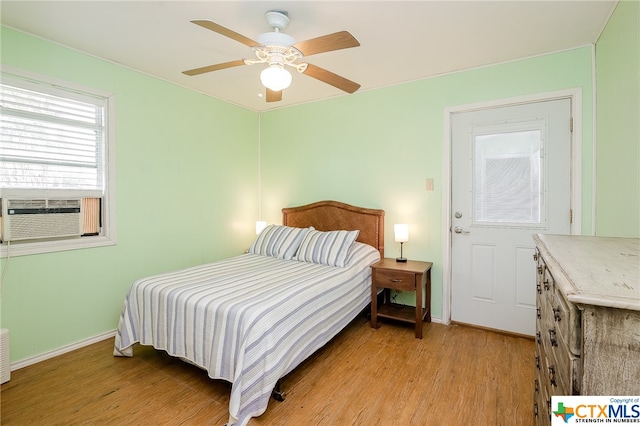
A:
(418, 279)
(374, 307)
(427, 296)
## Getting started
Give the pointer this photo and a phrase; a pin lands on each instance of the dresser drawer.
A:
(546, 377)
(560, 368)
(538, 384)
(542, 391)
(568, 368)
(545, 408)
(396, 280)
(544, 280)
(548, 284)
(568, 323)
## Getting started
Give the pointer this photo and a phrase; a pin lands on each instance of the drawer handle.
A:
(552, 376)
(536, 386)
(539, 288)
(537, 364)
(535, 409)
(540, 269)
(552, 337)
(538, 337)
(395, 280)
(546, 284)
(556, 314)
(538, 313)
(535, 256)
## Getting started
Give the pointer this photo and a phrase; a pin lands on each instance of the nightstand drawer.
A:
(396, 280)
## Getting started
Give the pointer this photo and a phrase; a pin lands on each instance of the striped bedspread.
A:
(249, 319)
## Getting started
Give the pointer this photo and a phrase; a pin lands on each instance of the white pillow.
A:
(279, 241)
(327, 248)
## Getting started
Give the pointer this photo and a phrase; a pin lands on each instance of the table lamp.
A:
(401, 233)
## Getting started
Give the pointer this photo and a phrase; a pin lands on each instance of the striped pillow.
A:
(279, 241)
(327, 248)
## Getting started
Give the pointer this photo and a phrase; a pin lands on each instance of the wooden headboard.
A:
(334, 215)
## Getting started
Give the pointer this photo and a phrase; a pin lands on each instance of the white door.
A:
(510, 178)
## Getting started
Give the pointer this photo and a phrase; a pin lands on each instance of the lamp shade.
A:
(401, 232)
(260, 225)
(275, 77)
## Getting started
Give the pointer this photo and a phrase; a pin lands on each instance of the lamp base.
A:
(401, 259)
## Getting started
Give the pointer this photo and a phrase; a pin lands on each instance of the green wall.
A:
(618, 124)
(376, 148)
(186, 193)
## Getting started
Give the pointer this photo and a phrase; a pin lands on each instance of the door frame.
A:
(575, 97)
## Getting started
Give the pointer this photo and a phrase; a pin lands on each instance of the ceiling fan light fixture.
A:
(275, 77)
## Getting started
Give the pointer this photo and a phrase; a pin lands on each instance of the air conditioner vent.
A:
(31, 219)
(5, 360)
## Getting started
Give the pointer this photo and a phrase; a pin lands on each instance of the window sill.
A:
(24, 249)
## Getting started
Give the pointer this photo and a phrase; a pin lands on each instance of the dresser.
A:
(587, 318)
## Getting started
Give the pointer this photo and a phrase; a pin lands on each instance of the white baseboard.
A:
(62, 350)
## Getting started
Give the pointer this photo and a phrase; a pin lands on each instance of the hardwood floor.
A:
(455, 375)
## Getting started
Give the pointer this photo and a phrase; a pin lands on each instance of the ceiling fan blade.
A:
(327, 43)
(216, 67)
(226, 32)
(330, 78)
(274, 96)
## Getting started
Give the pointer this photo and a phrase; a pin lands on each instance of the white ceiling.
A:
(399, 41)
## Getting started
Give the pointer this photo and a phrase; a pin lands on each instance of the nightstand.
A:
(387, 274)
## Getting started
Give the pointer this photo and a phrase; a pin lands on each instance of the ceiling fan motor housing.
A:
(277, 19)
(275, 39)
(278, 47)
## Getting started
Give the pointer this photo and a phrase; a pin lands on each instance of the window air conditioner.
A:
(5, 359)
(36, 219)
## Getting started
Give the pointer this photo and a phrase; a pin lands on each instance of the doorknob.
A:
(459, 230)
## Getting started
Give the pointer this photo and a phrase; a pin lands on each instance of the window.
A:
(55, 150)
(508, 174)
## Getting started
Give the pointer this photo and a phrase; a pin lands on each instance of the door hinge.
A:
(570, 215)
(571, 124)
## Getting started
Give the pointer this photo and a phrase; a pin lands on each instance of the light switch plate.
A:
(429, 184)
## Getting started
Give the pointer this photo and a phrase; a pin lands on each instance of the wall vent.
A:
(5, 359)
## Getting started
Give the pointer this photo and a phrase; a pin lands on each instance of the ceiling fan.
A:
(278, 51)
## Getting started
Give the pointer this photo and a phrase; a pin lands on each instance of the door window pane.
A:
(508, 178)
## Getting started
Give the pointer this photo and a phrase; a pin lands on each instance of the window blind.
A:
(50, 139)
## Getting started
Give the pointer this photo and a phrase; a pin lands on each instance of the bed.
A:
(251, 319)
